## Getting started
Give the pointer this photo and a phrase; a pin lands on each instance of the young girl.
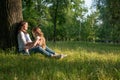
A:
(39, 36)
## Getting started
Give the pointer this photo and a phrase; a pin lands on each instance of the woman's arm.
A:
(31, 44)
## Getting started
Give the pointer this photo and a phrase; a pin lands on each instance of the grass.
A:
(85, 61)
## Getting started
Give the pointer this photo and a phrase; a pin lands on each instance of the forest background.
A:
(68, 20)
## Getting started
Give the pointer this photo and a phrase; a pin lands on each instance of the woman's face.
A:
(25, 26)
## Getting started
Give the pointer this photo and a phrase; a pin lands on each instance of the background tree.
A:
(79, 12)
(58, 18)
(10, 15)
(57, 11)
(109, 15)
(88, 30)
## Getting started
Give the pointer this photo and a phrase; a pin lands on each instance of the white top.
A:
(23, 39)
(38, 37)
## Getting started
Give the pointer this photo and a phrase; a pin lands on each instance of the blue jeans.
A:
(39, 49)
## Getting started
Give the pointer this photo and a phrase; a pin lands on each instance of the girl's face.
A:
(36, 32)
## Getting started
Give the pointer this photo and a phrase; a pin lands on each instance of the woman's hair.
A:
(22, 23)
(37, 32)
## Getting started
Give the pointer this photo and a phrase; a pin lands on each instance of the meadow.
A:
(85, 61)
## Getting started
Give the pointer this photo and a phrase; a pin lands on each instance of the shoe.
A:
(62, 55)
(58, 56)
(26, 53)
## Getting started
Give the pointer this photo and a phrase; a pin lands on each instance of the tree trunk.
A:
(55, 20)
(10, 15)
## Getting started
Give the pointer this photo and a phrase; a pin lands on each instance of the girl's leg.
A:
(49, 50)
(43, 51)
(40, 50)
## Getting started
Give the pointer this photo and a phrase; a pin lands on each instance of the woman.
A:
(24, 41)
(27, 46)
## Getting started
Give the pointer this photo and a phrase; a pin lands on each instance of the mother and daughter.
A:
(27, 46)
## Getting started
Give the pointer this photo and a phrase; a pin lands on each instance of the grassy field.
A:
(85, 61)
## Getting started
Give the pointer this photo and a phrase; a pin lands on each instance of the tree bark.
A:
(10, 15)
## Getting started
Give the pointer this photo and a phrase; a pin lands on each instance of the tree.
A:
(58, 11)
(10, 15)
(109, 14)
(29, 11)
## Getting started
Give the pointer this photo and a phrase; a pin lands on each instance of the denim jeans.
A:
(49, 50)
(39, 49)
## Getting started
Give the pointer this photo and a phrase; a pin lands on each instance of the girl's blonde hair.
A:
(37, 32)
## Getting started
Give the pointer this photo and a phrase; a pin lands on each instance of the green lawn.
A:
(85, 61)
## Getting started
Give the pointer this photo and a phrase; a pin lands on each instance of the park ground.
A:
(85, 61)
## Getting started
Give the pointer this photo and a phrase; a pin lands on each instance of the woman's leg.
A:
(39, 50)
(24, 52)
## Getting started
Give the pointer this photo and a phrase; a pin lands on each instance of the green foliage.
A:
(85, 61)
(88, 30)
(109, 14)
(43, 13)
(29, 12)
(67, 20)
